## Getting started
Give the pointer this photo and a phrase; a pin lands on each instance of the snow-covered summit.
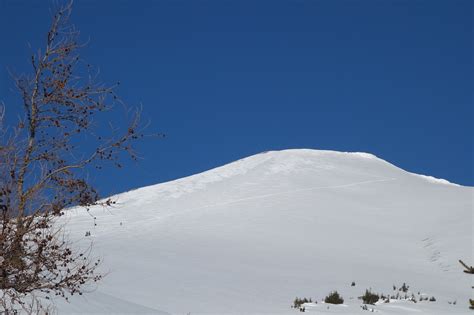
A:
(249, 236)
(285, 161)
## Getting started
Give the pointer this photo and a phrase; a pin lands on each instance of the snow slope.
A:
(250, 236)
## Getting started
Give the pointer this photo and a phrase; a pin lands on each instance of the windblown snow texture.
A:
(250, 236)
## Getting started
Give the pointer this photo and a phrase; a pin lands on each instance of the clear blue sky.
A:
(228, 79)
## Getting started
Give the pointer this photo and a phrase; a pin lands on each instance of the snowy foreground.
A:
(249, 237)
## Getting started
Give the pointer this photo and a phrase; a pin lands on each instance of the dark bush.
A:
(369, 297)
(404, 288)
(298, 302)
(334, 298)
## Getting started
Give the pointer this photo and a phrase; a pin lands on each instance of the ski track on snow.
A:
(277, 194)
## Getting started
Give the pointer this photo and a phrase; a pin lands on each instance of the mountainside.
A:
(250, 236)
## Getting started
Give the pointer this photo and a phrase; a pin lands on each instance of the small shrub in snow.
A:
(365, 308)
(334, 298)
(298, 302)
(404, 288)
(369, 297)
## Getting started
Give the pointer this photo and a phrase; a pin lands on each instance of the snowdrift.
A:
(250, 236)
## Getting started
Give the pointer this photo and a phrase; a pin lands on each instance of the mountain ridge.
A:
(251, 235)
(254, 160)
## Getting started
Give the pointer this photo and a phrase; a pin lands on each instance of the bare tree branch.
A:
(42, 174)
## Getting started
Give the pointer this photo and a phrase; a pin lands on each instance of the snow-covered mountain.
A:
(250, 236)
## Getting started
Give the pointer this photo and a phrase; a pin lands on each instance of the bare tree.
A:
(43, 170)
(468, 270)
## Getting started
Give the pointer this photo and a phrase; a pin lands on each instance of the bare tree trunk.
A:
(40, 176)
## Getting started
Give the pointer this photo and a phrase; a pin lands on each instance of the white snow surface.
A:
(250, 236)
